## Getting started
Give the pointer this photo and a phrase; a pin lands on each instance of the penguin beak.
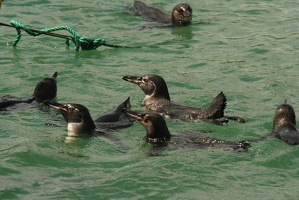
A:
(133, 79)
(133, 114)
(57, 106)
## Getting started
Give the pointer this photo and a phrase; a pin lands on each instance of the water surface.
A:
(247, 49)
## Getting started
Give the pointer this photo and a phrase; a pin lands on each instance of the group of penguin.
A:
(158, 107)
(157, 104)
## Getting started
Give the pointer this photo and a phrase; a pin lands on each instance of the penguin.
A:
(77, 117)
(158, 135)
(157, 99)
(181, 14)
(46, 89)
(284, 124)
(80, 123)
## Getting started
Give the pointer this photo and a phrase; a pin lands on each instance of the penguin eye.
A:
(182, 10)
(145, 120)
(145, 80)
(72, 108)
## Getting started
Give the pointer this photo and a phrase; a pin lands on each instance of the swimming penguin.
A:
(158, 134)
(46, 89)
(80, 122)
(157, 99)
(181, 14)
(284, 124)
(77, 117)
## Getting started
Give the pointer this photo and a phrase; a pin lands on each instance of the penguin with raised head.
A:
(77, 117)
(80, 123)
(157, 99)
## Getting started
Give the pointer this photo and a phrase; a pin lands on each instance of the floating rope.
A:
(80, 42)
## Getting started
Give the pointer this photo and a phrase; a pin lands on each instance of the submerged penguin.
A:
(181, 14)
(80, 123)
(157, 99)
(46, 89)
(158, 135)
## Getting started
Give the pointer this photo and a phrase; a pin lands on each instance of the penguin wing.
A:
(216, 109)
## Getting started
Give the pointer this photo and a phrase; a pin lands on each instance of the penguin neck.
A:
(80, 128)
(154, 99)
(284, 125)
(158, 134)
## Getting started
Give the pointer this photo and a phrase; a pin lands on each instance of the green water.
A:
(248, 49)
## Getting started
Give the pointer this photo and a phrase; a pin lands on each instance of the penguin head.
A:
(151, 84)
(77, 117)
(182, 14)
(284, 116)
(154, 124)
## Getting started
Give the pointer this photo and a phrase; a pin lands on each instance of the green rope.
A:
(80, 42)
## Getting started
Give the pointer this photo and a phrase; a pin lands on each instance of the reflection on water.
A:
(183, 32)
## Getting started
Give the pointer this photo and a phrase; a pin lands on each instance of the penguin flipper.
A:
(216, 109)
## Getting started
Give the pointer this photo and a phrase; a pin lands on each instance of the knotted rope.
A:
(80, 42)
